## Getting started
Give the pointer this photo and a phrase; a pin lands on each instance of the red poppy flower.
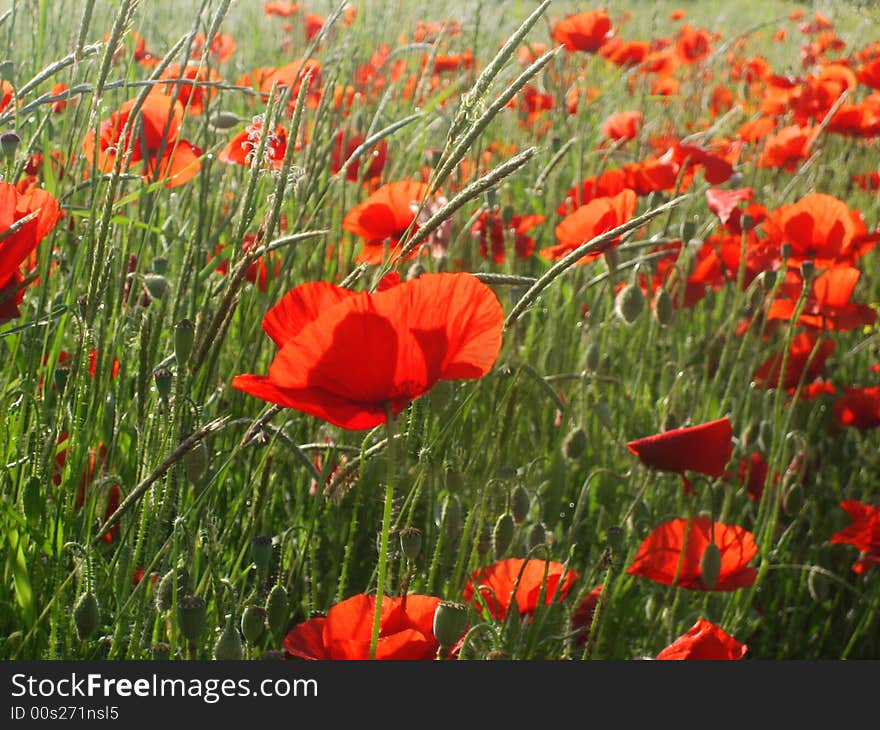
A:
(788, 148)
(584, 32)
(598, 216)
(753, 474)
(705, 449)
(770, 375)
(625, 53)
(863, 533)
(19, 247)
(497, 582)
(282, 8)
(704, 640)
(666, 558)
(582, 618)
(489, 230)
(384, 216)
(345, 356)
(406, 630)
(692, 44)
(221, 48)
(242, 147)
(859, 408)
(723, 202)
(623, 125)
(344, 147)
(193, 97)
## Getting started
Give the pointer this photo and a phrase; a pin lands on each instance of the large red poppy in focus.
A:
(497, 582)
(346, 356)
(405, 630)
(659, 555)
(703, 641)
(705, 448)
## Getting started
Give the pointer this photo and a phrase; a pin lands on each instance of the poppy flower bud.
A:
(7, 70)
(507, 215)
(452, 516)
(86, 615)
(603, 413)
(9, 144)
(253, 623)
(450, 621)
(785, 251)
(277, 611)
(612, 259)
(415, 271)
(261, 555)
(688, 230)
(808, 269)
(768, 279)
(410, 542)
(229, 646)
(629, 303)
(165, 589)
(592, 357)
(192, 617)
(614, 536)
(159, 265)
(519, 504)
(223, 119)
(746, 222)
(710, 566)
(484, 542)
(184, 335)
(491, 198)
(195, 462)
(663, 308)
(575, 444)
(156, 285)
(502, 535)
(160, 652)
(537, 536)
(32, 502)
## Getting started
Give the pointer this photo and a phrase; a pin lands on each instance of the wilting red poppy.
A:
(582, 617)
(384, 217)
(406, 630)
(489, 229)
(666, 558)
(704, 640)
(863, 533)
(623, 125)
(346, 356)
(242, 147)
(496, 584)
(17, 248)
(584, 32)
(344, 147)
(801, 362)
(598, 216)
(859, 408)
(705, 449)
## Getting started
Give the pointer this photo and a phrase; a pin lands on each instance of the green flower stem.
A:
(386, 530)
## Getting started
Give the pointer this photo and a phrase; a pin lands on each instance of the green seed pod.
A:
(612, 259)
(253, 623)
(165, 589)
(746, 221)
(9, 144)
(520, 502)
(160, 652)
(710, 566)
(575, 444)
(277, 611)
(195, 462)
(450, 621)
(156, 285)
(629, 303)
(229, 646)
(163, 378)
(537, 536)
(603, 413)
(808, 270)
(663, 308)
(507, 215)
(7, 71)
(184, 336)
(86, 615)
(452, 515)
(159, 265)
(592, 357)
(415, 271)
(192, 617)
(688, 229)
(410, 542)
(502, 535)
(222, 119)
(32, 502)
(261, 555)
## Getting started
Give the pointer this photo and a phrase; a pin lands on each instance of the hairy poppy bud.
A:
(410, 542)
(253, 623)
(507, 214)
(159, 265)
(9, 144)
(415, 271)
(261, 555)
(502, 535)
(222, 119)
(32, 502)
(229, 646)
(277, 611)
(603, 413)
(156, 285)
(192, 617)
(629, 303)
(537, 536)
(163, 378)
(195, 462)
(785, 251)
(612, 259)
(592, 357)
(161, 651)
(184, 335)
(663, 309)
(808, 268)
(575, 444)
(452, 515)
(767, 279)
(710, 566)
(7, 70)
(450, 621)
(519, 504)
(86, 615)
(746, 222)
(491, 198)
(165, 589)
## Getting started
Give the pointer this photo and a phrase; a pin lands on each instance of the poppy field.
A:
(486, 330)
